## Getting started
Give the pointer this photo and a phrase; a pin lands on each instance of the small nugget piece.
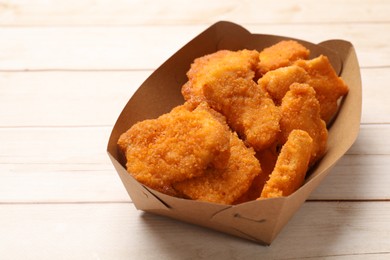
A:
(328, 86)
(241, 63)
(277, 82)
(248, 109)
(291, 166)
(174, 147)
(301, 110)
(224, 185)
(281, 54)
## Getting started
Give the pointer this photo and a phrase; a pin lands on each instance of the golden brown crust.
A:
(248, 109)
(174, 147)
(205, 69)
(227, 185)
(291, 166)
(281, 54)
(277, 82)
(300, 109)
(328, 86)
(318, 73)
(267, 159)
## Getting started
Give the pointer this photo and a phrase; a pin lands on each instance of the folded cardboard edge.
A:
(161, 206)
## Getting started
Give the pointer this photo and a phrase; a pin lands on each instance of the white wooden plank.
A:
(73, 12)
(65, 98)
(118, 231)
(59, 194)
(71, 165)
(59, 145)
(90, 48)
(356, 177)
(375, 95)
(49, 183)
(371, 140)
(135, 47)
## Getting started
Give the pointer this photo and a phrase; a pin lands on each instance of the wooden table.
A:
(67, 68)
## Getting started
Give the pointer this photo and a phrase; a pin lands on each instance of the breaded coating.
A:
(328, 86)
(267, 159)
(291, 166)
(318, 73)
(204, 106)
(248, 109)
(224, 186)
(221, 161)
(241, 63)
(281, 54)
(300, 109)
(176, 146)
(277, 82)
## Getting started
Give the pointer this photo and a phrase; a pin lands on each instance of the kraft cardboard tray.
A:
(259, 221)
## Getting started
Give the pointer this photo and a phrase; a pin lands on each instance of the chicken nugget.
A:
(248, 109)
(281, 54)
(300, 109)
(204, 106)
(204, 69)
(221, 161)
(328, 86)
(174, 147)
(224, 185)
(277, 82)
(291, 166)
(267, 159)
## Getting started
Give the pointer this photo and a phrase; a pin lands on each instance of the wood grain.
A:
(67, 68)
(147, 12)
(135, 47)
(118, 231)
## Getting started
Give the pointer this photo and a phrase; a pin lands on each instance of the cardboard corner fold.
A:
(142, 198)
(262, 220)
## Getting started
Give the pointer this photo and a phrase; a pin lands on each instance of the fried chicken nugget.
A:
(328, 86)
(291, 166)
(267, 159)
(224, 185)
(248, 109)
(241, 63)
(277, 82)
(300, 109)
(174, 147)
(281, 54)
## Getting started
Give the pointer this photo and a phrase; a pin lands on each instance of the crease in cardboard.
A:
(137, 192)
(249, 237)
(255, 219)
(238, 215)
(156, 197)
(219, 211)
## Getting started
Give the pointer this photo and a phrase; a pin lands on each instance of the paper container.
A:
(259, 221)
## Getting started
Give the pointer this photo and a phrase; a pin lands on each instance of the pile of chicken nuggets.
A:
(252, 124)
